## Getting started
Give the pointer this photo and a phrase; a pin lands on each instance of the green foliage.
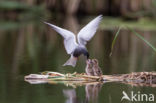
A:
(141, 24)
(114, 40)
(139, 35)
(154, 3)
(10, 5)
(26, 12)
(135, 33)
(8, 25)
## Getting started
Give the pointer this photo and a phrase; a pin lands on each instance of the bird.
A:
(89, 70)
(96, 69)
(76, 45)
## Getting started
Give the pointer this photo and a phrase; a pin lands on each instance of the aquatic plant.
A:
(135, 33)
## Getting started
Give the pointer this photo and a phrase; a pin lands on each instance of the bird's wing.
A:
(69, 38)
(87, 32)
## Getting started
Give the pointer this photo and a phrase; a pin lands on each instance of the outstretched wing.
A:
(87, 32)
(69, 38)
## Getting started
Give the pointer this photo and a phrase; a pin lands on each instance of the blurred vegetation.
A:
(135, 33)
(128, 9)
(141, 24)
(12, 5)
(18, 11)
(136, 14)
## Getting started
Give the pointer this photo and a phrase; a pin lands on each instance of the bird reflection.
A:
(71, 96)
(91, 90)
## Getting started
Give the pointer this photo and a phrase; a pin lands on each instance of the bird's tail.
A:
(71, 61)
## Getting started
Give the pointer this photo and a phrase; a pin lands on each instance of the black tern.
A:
(75, 49)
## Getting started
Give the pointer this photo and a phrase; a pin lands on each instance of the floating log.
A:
(93, 75)
(136, 79)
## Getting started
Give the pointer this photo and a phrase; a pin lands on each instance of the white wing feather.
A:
(69, 38)
(87, 32)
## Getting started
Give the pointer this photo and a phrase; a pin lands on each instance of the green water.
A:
(32, 47)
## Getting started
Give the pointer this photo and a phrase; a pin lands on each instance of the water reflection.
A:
(70, 94)
(91, 94)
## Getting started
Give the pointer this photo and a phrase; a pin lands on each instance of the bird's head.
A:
(89, 63)
(95, 61)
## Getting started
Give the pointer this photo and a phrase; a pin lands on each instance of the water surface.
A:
(33, 47)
